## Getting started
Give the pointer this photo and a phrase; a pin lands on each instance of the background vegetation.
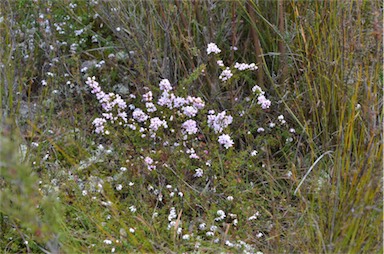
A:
(320, 63)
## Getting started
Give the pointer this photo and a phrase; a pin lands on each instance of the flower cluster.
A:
(226, 141)
(244, 66)
(190, 127)
(221, 215)
(225, 74)
(113, 105)
(150, 163)
(177, 114)
(219, 122)
(213, 48)
(261, 100)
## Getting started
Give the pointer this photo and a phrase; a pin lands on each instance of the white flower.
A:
(79, 32)
(139, 115)
(226, 140)
(259, 130)
(156, 123)
(265, 103)
(254, 217)
(225, 74)
(123, 169)
(244, 66)
(229, 198)
(253, 153)
(132, 208)
(119, 187)
(148, 96)
(229, 244)
(189, 111)
(107, 241)
(199, 172)
(221, 215)
(220, 63)
(172, 214)
(212, 48)
(148, 160)
(202, 226)
(257, 89)
(190, 127)
(165, 85)
(132, 230)
(186, 237)
(220, 122)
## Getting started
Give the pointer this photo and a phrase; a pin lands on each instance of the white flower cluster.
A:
(254, 217)
(213, 48)
(219, 122)
(226, 141)
(245, 66)
(226, 74)
(281, 119)
(156, 123)
(150, 163)
(165, 85)
(221, 215)
(110, 103)
(199, 172)
(264, 102)
(172, 215)
(139, 115)
(190, 127)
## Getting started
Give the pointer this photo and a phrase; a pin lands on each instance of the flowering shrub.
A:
(171, 119)
(170, 131)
